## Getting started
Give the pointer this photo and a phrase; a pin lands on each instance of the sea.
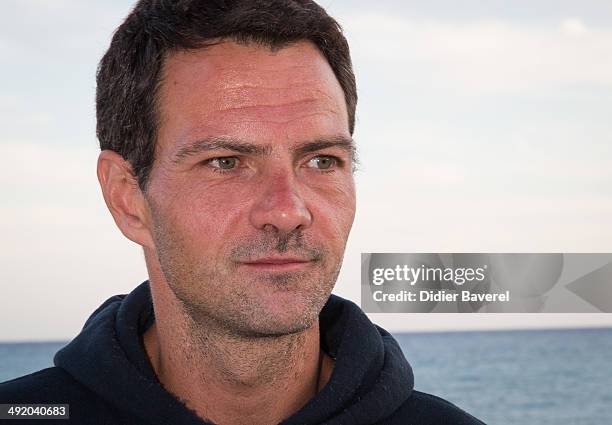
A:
(534, 377)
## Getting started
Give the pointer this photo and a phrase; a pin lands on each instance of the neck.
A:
(232, 379)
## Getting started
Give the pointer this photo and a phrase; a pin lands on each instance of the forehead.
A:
(249, 92)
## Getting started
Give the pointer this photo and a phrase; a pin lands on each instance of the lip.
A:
(278, 264)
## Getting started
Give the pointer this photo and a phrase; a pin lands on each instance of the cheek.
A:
(203, 216)
(334, 210)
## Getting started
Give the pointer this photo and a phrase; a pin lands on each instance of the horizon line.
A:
(429, 331)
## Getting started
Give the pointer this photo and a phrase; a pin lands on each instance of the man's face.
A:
(251, 194)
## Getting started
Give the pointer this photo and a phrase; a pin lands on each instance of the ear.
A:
(124, 198)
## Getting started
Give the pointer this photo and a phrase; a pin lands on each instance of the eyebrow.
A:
(219, 143)
(242, 147)
(345, 143)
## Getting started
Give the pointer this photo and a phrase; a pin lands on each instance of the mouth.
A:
(278, 264)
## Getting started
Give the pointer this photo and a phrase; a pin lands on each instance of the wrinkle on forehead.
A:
(275, 114)
(249, 94)
(277, 105)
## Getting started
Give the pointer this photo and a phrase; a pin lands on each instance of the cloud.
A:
(33, 164)
(59, 242)
(573, 27)
(483, 57)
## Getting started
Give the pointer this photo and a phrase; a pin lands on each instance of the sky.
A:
(481, 127)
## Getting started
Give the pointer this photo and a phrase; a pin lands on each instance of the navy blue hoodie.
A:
(105, 376)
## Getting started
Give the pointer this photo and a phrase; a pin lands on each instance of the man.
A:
(225, 129)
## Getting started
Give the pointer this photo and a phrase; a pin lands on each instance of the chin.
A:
(277, 329)
(280, 313)
(284, 316)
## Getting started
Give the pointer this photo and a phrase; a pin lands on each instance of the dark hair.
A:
(129, 74)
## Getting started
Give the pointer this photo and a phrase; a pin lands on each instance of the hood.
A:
(371, 378)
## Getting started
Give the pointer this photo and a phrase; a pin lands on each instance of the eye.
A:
(223, 162)
(323, 162)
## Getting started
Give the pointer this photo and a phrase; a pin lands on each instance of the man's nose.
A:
(280, 207)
